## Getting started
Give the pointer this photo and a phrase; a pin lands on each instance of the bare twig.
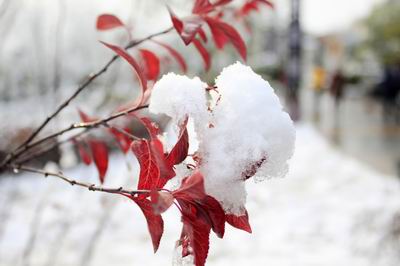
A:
(88, 81)
(91, 187)
(30, 156)
(87, 126)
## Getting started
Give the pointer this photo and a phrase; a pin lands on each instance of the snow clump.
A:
(245, 134)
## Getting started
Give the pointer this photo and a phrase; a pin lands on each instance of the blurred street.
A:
(359, 126)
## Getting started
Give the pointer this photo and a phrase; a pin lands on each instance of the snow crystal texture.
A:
(246, 131)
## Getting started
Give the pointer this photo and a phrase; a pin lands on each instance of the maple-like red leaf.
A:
(175, 54)
(198, 233)
(204, 53)
(180, 150)
(154, 221)
(239, 222)
(100, 157)
(223, 32)
(121, 52)
(108, 21)
(152, 63)
(161, 201)
(123, 140)
(83, 152)
(149, 171)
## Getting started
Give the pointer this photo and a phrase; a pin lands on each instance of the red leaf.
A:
(152, 64)
(121, 52)
(187, 28)
(223, 32)
(239, 222)
(161, 201)
(204, 6)
(192, 188)
(266, 2)
(215, 215)
(175, 55)
(108, 21)
(151, 127)
(198, 234)
(123, 140)
(180, 151)
(166, 171)
(154, 221)
(202, 35)
(204, 53)
(149, 171)
(100, 157)
(85, 117)
(83, 152)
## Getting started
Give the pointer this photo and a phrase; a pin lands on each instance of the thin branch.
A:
(31, 156)
(88, 81)
(87, 126)
(90, 187)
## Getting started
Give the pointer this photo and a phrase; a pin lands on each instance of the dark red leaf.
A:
(215, 215)
(252, 169)
(123, 140)
(152, 64)
(154, 221)
(100, 157)
(161, 201)
(85, 117)
(121, 52)
(198, 233)
(192, 188)
(223, 32)
(174, 53)
(180, 151)
(204, 53)
(83, 152)
(239, 222)
(149, 171)
(108, 21)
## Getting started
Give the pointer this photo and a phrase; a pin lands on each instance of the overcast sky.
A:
(324, 16)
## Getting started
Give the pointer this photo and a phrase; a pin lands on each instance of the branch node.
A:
(92, 187)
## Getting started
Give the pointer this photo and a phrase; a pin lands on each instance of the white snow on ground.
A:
(329, 210)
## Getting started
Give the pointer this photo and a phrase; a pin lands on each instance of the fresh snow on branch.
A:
(242, 131)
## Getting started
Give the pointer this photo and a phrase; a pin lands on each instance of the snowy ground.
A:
(330, 210)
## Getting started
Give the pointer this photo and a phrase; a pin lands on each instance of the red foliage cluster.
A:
(200, 212)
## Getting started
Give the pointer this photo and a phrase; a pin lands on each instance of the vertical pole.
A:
(294, 66)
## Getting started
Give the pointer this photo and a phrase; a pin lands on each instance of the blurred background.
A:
(335, 66)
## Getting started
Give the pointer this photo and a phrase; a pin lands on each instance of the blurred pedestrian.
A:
(337, 87)
(318, 87)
